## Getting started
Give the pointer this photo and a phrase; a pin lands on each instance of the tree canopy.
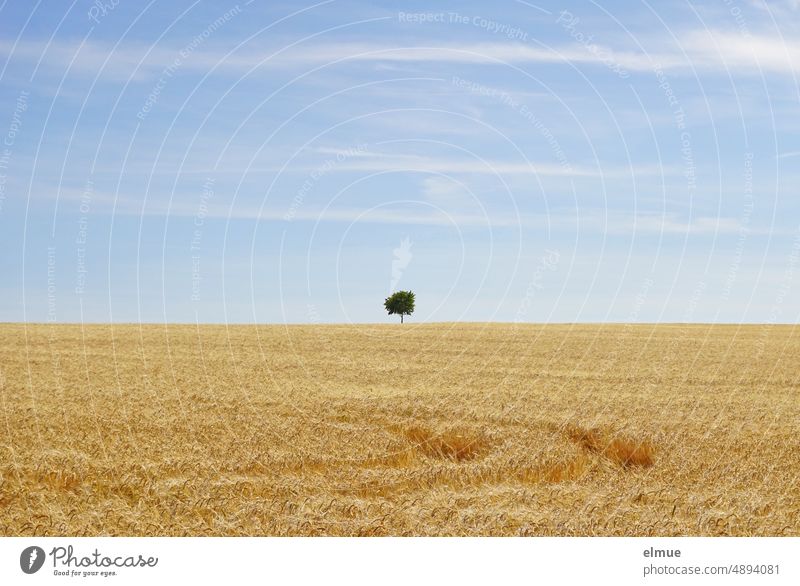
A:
(400, 303)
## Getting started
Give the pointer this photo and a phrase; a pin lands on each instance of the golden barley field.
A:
(437, 429)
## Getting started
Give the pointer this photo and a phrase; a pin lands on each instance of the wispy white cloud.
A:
(672, 224)
(146, 60)
(372, 160)
(461, 213)
(130, 61)
(368, 161)
(584, 221)
(587, 222)
(443, 190)
(776, 6)
(789, 154)
(698, 49)
(376, 162)
(477, 53)
(739, 53)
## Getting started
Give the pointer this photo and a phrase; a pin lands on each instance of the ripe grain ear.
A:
(622, 450)
(630, 452)
(449, 445)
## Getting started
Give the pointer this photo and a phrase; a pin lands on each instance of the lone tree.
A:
(400, 302)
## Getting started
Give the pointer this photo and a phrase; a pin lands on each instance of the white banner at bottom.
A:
(401, 561)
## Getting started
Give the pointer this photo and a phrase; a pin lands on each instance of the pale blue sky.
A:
(212, 161)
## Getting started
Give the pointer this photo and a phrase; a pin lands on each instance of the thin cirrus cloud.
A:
(704, 50)
(431, 165)
(701, 49)
(739, 52)
(367, 160)
(581, 221)
(376, 162)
